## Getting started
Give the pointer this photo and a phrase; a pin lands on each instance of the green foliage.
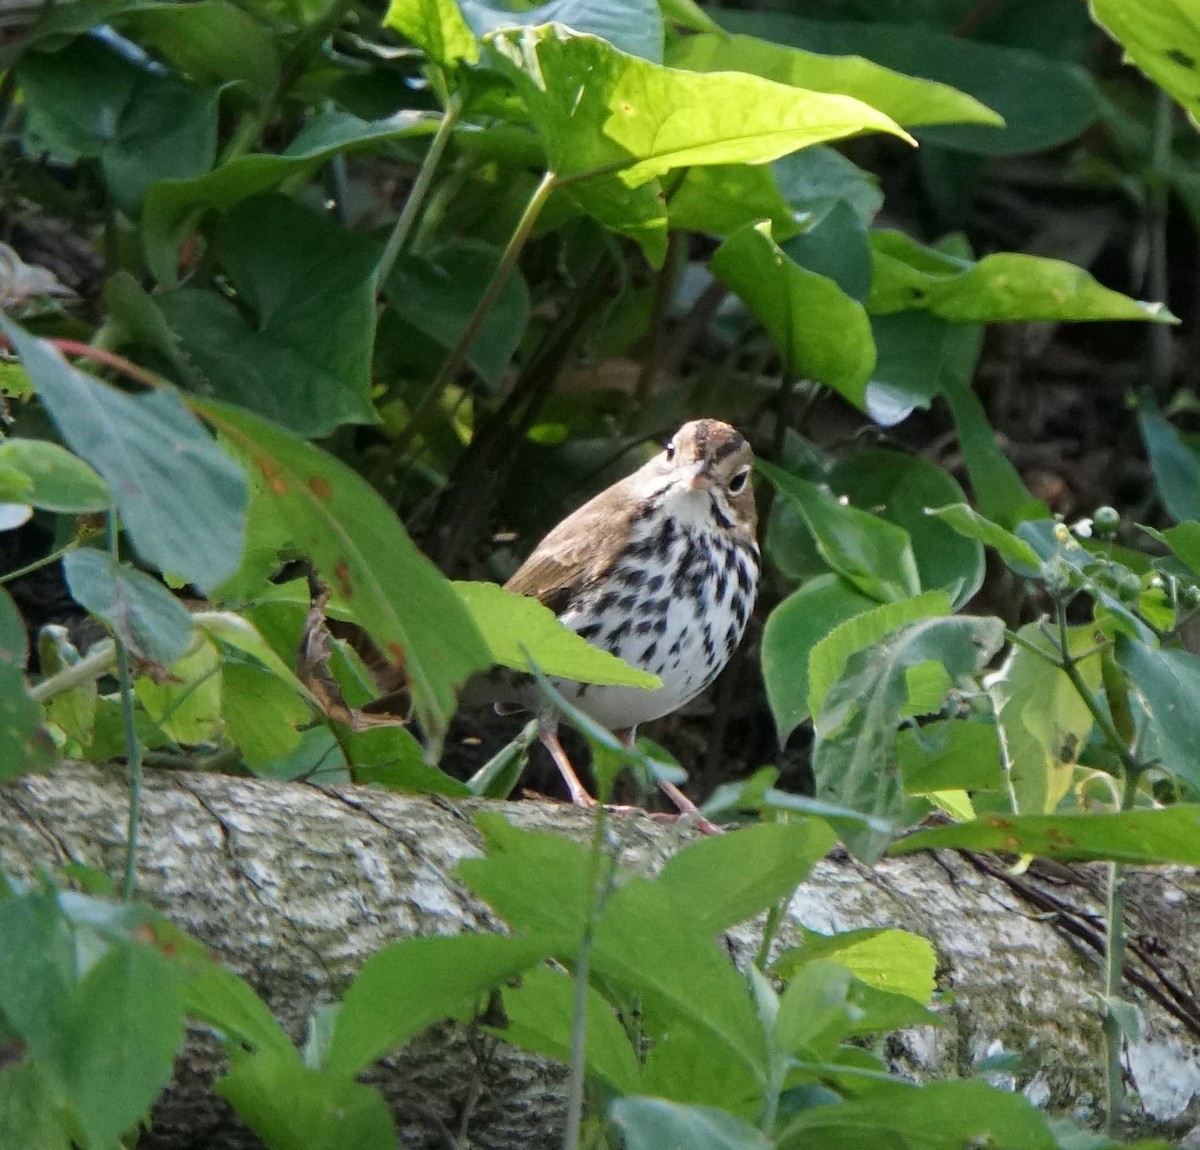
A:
(309, 234)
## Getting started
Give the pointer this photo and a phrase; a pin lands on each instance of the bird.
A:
(660, 569)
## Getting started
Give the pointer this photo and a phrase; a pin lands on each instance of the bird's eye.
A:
(738, 483)
(670, 450)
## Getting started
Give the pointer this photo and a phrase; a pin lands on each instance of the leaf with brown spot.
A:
(399, 598)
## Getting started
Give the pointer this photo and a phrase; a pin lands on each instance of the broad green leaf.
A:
(906, 99)
(73, 712)
(436, 292)
(631, 26)
(721, 198)
(854, 757)
(612, 123)
(88, 100)
(240, 634)
(1162, 37)
(517, 629)
(914, 353)
(296, 346)
(656, 1123)
(362, 550)
(815, 1011)
(938, 1116)
(1018, 554)
(24, 745)
(1043, 721)
(57, 480)
(182, 501)
(1164, 685)
(820, 332)
(728, 879)
(814, 180)
(141, 612)
(1184, 542)
(213, 42)
(950, 754)
(540, 1013)
(213, 994)
(29, 1104)
(187, 706)
(263, 714)
(410, 985)
(892, 960)
(834, 245)
(1174, 464)
(1001, 287)
(294, 1108)
(316, 758)
(901, 488)
(827, 661)
(1044, 102)
(124, 1028)
(392, 758)
(871, 553)
(437, 27)
(1164, 835)
(793, 629)
(172, 205)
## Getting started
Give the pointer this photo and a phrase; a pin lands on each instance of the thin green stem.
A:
(1158, 366)
(458, 355)
(133, 746)
(418, 194)
(601, 885)
(38, 564)
(770, 930)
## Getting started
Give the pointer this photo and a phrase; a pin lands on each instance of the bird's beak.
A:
(697, 475)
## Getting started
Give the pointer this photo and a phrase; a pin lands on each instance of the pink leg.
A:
(578, 792)
(683, 804)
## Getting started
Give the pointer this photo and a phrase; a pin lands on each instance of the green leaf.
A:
(631, 26)
(124, 1028)
(901, 488)
(436, 27)
(1165, 685)
(294, 1108)
(939, 1116)
(142, 613)
(391, 757)
(793, 629)
(398, 596)
(24, 745)
(263, 714)
(1175, 465)
(58, 480)
(28, 1110)
(1044, 102)
(182, 501)
(950, 754)
(410, 985)
(815, 1012)
(721, 198)
(1018, 554)
(906, 99)
(612, 123)
(1001, 287)
(892, 960)
(296, 346)
(1162, 37)
(518, 629)
(729, 878)
(1043, 721)
(1184, 542)
(871, 553)
(820, 332)
(187, 706)
(854, 757)
(213, 994)
(1150, 837)
(437, 290)
(540, 1013)
(87, 100)
(172, 206)
(240, 634)
(827, 661)
(656, 1123)
(213, 42)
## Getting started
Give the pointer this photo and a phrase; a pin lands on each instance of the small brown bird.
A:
(661, 569)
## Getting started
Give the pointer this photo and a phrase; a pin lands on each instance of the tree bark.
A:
(295, 886)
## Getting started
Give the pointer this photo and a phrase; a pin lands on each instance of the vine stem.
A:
(458, 355)
(418, 194)
(133, 746)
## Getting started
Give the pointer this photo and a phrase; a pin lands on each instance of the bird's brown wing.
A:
(580, 550)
